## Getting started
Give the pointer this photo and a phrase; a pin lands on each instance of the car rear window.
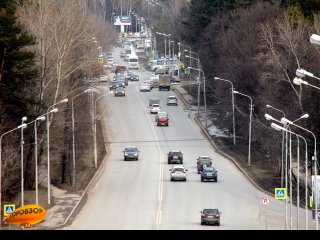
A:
(178, 170)
(210, 211)
(131, 149)
(207, 162)
(209, 169)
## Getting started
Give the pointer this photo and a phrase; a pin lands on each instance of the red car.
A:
(162, 120)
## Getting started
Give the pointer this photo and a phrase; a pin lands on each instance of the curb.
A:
(84, 196)
(219, 151)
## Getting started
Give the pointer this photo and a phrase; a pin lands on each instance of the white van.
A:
(133, 62)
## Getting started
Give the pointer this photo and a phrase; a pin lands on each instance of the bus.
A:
(133, 62)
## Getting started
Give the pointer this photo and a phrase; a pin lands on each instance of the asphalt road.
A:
(140, 195)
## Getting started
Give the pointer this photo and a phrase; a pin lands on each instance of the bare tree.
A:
(282, 51)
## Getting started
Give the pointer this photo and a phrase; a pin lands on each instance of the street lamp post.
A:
(279, 128)
(24, 119)
(42, 118)
(286, 121)
(251, 106)
(23, 125)
(287, 126)
(282, 146)
(48, 145)
(232, 100)
(179, 43)
(73, 140)
(95, 129)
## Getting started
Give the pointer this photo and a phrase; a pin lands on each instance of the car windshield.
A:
(209, 169)
(155, 105)
(204, 162)
(130, 149)
(178, 170)
(211, 211)
(172, 98)
(175, 152)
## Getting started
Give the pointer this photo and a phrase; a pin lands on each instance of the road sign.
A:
(280, 193)
(265, 201)
(9, 208)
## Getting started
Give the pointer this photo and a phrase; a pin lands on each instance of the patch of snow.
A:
(214, 131)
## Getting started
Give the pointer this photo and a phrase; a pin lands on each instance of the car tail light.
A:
(217, 216)
(203, 215)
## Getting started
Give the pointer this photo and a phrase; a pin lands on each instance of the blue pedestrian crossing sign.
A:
(280, 193)
(9, 208)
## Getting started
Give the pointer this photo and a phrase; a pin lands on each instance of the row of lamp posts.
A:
(300, 73)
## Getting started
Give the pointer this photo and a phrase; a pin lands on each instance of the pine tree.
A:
(17, 63)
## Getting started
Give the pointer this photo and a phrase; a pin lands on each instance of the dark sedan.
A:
(209, 173)
(210, 216)
(120, 91)
(175, 156)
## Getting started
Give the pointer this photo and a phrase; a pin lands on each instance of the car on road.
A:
(203, 160)
(114, 66)
(121, 78)
(163, 120)
(210, 216)
(126, 58)
(131, 76)
(178, 173)
(209, 173)
(123, 53)
(145, 87)
(172, 100)
(131, 153)
(161, 113)
(120, 91)
(175, 156)
(155, 108)
(160, 70)
(149, 82)
(114, 85)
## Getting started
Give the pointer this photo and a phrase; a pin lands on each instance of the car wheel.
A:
(218, 224)
(198, 172)
(216, 179)
(136, 159)
(201, 179)
(171, 179)
(125, 159)
(202, 223)
(181, 162)
(169, 162)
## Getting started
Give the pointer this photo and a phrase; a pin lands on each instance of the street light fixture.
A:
(232, 102)
(54, 110)
(298, 81)
(315, 39)
(301, 73)
(73, 141)
(251, 108)
(23, 125)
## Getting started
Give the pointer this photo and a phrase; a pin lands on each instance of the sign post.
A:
(265, 202)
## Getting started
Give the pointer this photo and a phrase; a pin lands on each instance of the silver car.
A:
(172, 100)
(131, 153)
(178, 172)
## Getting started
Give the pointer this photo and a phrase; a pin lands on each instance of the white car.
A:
(155, 108)
(178, 172)
(172, 100)
(145, 87)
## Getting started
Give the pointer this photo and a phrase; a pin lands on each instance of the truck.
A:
(120, 70)
(164, 82)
